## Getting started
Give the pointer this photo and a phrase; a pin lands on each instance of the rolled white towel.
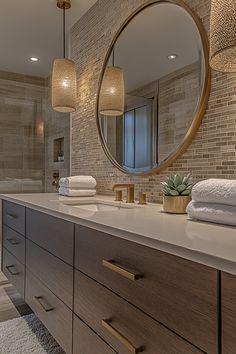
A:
(78, 182)
(219, 191)
(68, 192)
(216, 213)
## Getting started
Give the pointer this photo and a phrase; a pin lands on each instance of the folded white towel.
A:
(219, 191)
(77, 192)
(78, 182)
(216, 213)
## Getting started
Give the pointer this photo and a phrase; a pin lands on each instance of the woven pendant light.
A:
(64, 81)
(223, 35)
(112, 94)
(64, 85)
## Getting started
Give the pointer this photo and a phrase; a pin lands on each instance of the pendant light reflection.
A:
(112, 94)
(223, 35)
(64, 81)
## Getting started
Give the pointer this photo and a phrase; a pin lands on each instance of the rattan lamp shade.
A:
(223, 35)
(64, 85)
(112, 94)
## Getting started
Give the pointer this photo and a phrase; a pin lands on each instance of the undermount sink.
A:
(97, 206)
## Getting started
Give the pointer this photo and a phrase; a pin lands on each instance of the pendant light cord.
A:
(64, 31)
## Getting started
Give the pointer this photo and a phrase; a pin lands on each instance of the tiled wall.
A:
(212, 153)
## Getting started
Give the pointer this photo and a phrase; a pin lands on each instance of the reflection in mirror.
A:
(161, 55)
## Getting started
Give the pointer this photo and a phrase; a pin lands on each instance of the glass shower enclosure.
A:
(29, 129)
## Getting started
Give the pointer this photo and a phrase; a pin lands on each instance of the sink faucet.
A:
(130, 190)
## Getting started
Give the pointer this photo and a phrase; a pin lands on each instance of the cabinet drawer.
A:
(121, 325)
(14, 216)
(14, 271)
(180, 294)
(54, 273)
(56, 316)
(14, 242)
(86, 341)
(228, 313)
(53, 234)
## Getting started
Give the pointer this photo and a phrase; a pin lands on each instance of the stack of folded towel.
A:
(77, 186)
(214, 200)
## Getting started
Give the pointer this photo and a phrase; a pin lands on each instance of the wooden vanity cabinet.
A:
(99, 294)
(87, 342)
(13, 244)
(37, 258)
(180, 294)
(14, 271)
(228, 296)
(121, 325)
(51, 310)
(13, 216)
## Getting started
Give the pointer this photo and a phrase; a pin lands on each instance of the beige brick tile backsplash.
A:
(213, 150)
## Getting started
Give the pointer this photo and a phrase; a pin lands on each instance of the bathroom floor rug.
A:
(27, 335)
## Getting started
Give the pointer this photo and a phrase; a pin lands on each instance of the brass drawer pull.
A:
(12, 216)
(45, 307)
(10, 271)
(107, 325)
(115, 267)
(12, 241)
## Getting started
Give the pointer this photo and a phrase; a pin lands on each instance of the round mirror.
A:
(154, 87)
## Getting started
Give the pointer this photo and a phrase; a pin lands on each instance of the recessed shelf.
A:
(58, 149)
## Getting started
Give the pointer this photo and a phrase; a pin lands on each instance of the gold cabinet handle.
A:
(12, 241)
(10, 271)
(45, 307)
(107, 325)
(115, 267)
(12, 216)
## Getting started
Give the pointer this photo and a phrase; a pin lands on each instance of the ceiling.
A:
(33, 28)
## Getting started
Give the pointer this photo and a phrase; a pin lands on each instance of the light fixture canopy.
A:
(223, 35)
(64, 4)
(64, 80)
(112, 94)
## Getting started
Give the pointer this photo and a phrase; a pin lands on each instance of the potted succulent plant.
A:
(177, 193)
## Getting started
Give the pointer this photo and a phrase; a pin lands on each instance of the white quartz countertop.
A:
(205, 243)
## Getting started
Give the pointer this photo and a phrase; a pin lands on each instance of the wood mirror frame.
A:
(203, 101)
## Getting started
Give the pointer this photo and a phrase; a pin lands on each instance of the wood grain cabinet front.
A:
(87, 342)
(53, 234)
(54, 314)
(53, 272)
(180, 294)
(228, 293)
(14, 243)
(13, 215)
(14, 271)
(125, 328)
